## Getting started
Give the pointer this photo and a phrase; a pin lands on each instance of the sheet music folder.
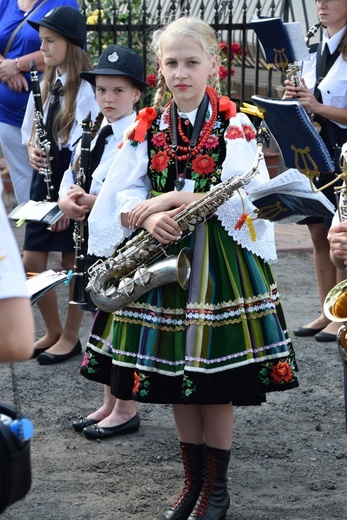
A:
(289, 198)
(299, 142)
(41, 283)
(282, 42)
(45, 212)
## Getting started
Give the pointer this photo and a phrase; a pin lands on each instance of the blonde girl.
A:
(223, 342)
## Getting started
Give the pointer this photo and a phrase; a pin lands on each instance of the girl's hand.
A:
(337, 237)
(71, 205)
(37, 158)
(162, 226)
(61, 225)
(147, 207)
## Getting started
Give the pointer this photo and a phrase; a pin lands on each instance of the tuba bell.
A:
(335, 304)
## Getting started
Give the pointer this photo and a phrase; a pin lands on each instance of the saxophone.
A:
(80, 228)
(41, 130)
(335, 304)
(133, 271)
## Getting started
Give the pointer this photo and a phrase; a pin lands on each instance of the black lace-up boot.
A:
(213, 502)
(194, 459)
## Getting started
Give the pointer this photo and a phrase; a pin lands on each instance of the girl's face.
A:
(332, 14)
(116, 96)
(54, 48)
(186, 69)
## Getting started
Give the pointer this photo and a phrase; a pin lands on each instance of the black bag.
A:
(15, 465)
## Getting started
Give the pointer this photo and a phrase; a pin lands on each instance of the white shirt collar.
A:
(189, 115)
(119, 126)
(334, 41)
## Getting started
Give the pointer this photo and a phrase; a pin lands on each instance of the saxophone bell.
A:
(111, 297)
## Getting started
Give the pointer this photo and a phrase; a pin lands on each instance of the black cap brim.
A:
(90, 76)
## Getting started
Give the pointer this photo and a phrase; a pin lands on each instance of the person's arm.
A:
(17, 326)
(11, 66)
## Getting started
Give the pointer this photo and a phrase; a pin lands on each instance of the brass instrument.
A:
(41, 130)
(293, 72)
(80, 228)
(132, 272)
(335, 304)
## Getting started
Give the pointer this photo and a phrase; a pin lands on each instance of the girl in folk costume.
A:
(118, 84)
(223, 342)
(66, 98)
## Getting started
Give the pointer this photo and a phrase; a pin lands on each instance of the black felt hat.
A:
(118, 61)
(67, 21)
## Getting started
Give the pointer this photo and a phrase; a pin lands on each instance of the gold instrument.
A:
(41, 130)
(335, 304)
(80, 228)
(132, 272)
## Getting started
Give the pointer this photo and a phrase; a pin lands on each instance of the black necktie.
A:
(54, 104)
(96, 153)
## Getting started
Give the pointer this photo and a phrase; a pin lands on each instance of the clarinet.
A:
(293, 72)
(80, 229)
(41, 130)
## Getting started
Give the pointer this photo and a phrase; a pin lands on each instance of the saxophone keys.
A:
(142, 276)
(126, 287)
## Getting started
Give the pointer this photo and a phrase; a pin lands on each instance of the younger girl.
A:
(118, 82)
(63, 36)
(224, 341)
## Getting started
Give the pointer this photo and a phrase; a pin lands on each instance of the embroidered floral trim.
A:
(188, 387)
(141, 384)
(90, 363)
(278, 372)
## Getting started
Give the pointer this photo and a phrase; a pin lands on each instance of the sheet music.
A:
(297, 41)
(44, 280)
(291, 183)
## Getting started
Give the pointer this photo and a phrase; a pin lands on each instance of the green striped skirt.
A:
(224, 339)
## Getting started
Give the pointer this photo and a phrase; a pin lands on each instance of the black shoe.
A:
(83, 422)
(46, 358)
(306, 332)
(38, 351)
(325, 336)
(98, 432)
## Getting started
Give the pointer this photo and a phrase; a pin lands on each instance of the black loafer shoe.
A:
(98, 432)
(37, 352)
(46, 358)
(306, 332)
(83, 422)
(325, 336)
